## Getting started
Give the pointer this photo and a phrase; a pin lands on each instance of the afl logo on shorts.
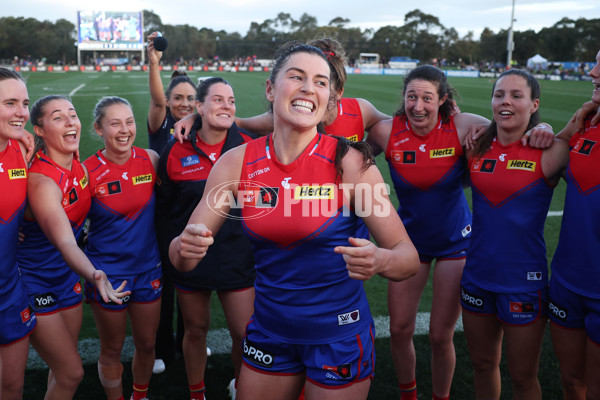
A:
(77, 288)
(26, 314)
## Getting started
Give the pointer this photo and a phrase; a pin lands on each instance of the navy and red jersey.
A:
(427, 172)
(13, 181)
(182, 173)
(575, 263)
(121, 235)
(158, 140)
(36, 255)
(295, 215)
(349, 121)
(511, 198)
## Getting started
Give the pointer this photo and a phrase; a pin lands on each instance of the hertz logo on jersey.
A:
(137, 180)
(83, 182)
(353, 138)
(524, 165)
(439, 153)
(314, 192)
(17, 173)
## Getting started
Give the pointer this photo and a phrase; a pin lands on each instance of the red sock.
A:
(408, 391)
(197, 391)
(140, 391)
(440, 398)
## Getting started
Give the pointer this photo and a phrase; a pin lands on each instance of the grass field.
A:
(558, 102)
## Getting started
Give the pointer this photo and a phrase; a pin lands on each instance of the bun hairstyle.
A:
(336, 56)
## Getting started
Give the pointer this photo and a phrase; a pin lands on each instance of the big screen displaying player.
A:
(110, 30)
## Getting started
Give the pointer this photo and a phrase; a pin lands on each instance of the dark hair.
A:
(437, 77)
(177, 73)
(485, 141)
(285, 52)
(6, 73)
(204, 87)
(104, 103)
(342, 148)
(176, 79)
(336, 57)
(36, 115)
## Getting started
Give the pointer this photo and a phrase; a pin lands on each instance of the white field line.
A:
(76, 89)
(218, 340)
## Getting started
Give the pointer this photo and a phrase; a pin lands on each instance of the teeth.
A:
(303, 104)
(71, 133)
(505, 113)
(19, 124)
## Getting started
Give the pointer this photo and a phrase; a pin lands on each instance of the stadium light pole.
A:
(510, 46)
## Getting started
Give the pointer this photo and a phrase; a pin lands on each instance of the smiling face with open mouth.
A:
(117, 128)
(60, 127)
(14, 109)
(512, 104)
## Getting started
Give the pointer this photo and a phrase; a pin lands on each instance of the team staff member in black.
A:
(228, 267)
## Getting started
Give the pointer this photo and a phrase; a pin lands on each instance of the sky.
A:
(237, 15)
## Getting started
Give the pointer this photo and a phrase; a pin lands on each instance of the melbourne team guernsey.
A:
(511, 198)
(122, 213)
(575, 263)
(13, 181)
(295, 215)
(427, 172)
(349, 121)
(38, 258)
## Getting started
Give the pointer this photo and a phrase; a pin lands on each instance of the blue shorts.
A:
(145, 288)
(510, 308)
(333, 365)
(458, 255)
(17, 319)
(574, 311)
(65, 296)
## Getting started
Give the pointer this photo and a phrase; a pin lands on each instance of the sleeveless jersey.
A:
(295, 215)
(427, 172)
(349, 121)
(158, 140)
(36, 255)
(511, 198)
(13, 181)
(182, 173)
(575, 263)
(121, 235)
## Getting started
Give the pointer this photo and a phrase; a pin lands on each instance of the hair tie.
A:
(329, 54)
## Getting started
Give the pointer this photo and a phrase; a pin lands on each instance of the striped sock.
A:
(140, 391)
(197, 391)
(408, 391)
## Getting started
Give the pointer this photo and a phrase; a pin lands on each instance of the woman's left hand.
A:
(106, 290)
(540, 136)
(360, 257)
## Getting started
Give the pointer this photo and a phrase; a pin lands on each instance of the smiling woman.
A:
(229, 267)
(311, 308)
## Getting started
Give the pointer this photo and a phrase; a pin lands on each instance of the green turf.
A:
(558, 102)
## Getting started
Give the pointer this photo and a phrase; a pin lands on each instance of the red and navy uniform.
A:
(349, 121)
(159, 139)
(182, 173)
(427, 172)
(121, 235)
(511, 198)
(41, 264)
(575, 265)
(295, 215)
(16, 316)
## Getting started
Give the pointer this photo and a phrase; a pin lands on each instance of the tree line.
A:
(421, 37)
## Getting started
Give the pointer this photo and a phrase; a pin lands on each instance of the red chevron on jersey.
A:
(582, 161)
(349, 121)
(504, 171)
(122, 189)
(13, 180)
(423, 161)
(302, 193)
